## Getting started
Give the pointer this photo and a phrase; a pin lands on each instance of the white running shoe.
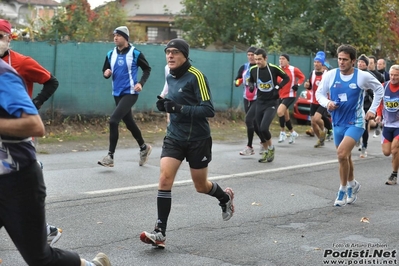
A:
(101, 260)
(282, 137)
(351, 193)
(107, 161)
(53, 234)
(340, 201)
(247, 151)
(155, 238)
(144, 154)
(293, 136)
(363, 152)
(228, 207)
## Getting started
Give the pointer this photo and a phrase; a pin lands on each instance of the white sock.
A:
(342, 188)
(88, 263)
(271, 147)
(352, 183)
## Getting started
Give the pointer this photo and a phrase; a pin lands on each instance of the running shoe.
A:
(228, 208)
(282, 137)
(319, 144)
(107, 161)
(155, 238)
(53, 234)
(363, 152)
(351, 193)
(144, 154)
(270, 155)
(40, 164)
(293, 137)
(247, 151)
(323, 135)
(392, 180)
(340, 201)
(264, 157)
(310, 133)
(329, 136)
(101, 260)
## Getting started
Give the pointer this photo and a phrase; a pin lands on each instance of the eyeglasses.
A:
(3, 35)
(173, 52)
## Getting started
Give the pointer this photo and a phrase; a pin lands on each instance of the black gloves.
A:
(37, 103)
(173, 107)
(167, 105)
(161, 103)
(295, 87)
(251, 87)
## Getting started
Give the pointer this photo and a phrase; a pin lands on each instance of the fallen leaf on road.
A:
(255, 203)
(365, 220)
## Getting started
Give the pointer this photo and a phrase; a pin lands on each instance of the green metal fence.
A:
(83, 90)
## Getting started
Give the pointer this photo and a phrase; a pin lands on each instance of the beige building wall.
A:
(134, 7)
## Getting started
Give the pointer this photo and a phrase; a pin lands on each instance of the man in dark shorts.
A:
(188, 136)
(287, 97)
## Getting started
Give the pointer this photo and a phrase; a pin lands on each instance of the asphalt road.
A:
(284, 209)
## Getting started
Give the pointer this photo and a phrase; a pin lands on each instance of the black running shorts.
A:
(198, 154)
(287, 101)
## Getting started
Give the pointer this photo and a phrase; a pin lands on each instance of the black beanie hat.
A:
(180, 45)
(364, 58)
(251, 49)
(286, 56)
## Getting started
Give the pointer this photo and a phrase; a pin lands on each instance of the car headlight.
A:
(303, 94)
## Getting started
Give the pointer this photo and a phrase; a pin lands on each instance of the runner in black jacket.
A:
(188, 137)
(264, 78)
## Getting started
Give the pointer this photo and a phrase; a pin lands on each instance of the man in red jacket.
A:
(30, 70)
(287, 96)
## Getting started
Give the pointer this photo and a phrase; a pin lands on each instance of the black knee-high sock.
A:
(218, 193)
(288, 125)
(281, 119)
(164, 204)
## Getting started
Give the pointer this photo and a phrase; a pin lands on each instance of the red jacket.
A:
(29, 69)
(296, 78)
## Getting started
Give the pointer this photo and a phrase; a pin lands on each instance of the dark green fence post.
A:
(310, 62)
(232, 77)
(55, 70)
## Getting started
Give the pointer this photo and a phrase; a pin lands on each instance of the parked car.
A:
(302, 107)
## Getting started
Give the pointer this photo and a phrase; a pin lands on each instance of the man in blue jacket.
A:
(22, 187)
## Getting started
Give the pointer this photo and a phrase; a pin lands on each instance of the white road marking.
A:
(220, 177)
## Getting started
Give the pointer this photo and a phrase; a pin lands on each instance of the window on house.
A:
(152, 34)
(177, 32)
(162, 34)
